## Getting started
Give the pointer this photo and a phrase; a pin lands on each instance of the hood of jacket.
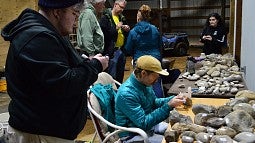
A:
(90, 6)
(142, 27)
(108, 11)
(26, 19)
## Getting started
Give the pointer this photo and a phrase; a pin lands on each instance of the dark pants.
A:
(158, 88)
(117, 65)
(170, 79)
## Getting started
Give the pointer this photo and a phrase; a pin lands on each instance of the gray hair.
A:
(120, 1)
(95, 1)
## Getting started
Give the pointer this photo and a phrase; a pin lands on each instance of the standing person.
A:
(90, 37)
(137, 106)
(115, 29)
(213, 35)
(144, 39)
(46, 78)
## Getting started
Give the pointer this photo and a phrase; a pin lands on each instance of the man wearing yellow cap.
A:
(137, 106)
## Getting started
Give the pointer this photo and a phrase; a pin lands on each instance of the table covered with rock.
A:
(215, 76)
(212, 120)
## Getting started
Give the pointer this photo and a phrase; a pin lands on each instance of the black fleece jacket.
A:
(218, 39)
(108, 27)
(46, 78)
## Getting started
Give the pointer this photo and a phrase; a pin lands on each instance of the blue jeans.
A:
(156, 137)
(116, 66)
(158, 88)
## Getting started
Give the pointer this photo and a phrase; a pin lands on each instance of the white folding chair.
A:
(100, 123)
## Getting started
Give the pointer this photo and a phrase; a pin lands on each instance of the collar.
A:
(136, 82)
(90, 6)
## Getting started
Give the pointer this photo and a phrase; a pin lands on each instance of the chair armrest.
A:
(119, 128)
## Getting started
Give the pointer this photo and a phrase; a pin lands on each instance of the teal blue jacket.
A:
(137, 106)
(105, 95)
(144, 39)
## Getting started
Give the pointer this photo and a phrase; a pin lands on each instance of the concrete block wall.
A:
(9, 10)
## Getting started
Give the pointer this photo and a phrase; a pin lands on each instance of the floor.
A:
(88, 131)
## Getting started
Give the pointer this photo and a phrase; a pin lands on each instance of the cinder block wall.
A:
(9, 10)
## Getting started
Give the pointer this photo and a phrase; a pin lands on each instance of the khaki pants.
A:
(16, 136)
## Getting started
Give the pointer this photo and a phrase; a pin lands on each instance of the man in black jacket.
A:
(115, 29)
(46, 78)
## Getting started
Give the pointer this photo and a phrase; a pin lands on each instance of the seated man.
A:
(137, 106)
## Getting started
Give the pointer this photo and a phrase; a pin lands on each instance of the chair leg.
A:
(94, 137)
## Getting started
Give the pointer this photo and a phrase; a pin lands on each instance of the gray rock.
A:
(215, 74)
(223, 110)
(221, 139)
(187, 139)
(215, 122)
(226, 131)
(240, 121)
(252, 102)
(201, 118)
(201, 72)
(246, 93)
(189, 134)
(197, 128)
(245, 137)
(203, 137)
(180, 127)
(198, 142)
(171, 136)
(233, 77)
(245, 107)
(211, 130)
(175, 117)
(235, 101)
(201, 108)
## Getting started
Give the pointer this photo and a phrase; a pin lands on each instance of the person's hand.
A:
(177, 100)
(184, 94)
(125, 28)
(207, 37)
(103, 59)
(119, 25)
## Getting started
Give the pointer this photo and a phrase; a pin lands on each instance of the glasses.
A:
(122, 7)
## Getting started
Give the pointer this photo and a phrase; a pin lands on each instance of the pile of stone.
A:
(232, 122)
(216, 74)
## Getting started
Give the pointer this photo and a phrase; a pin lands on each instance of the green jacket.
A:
(90, 37)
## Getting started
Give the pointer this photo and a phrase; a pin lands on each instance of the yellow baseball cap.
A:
(150, 63)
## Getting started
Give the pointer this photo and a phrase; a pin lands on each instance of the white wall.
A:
(248, 43)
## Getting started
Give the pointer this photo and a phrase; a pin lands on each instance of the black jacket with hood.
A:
(108, 27)
(46, 78)
(218, 39)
